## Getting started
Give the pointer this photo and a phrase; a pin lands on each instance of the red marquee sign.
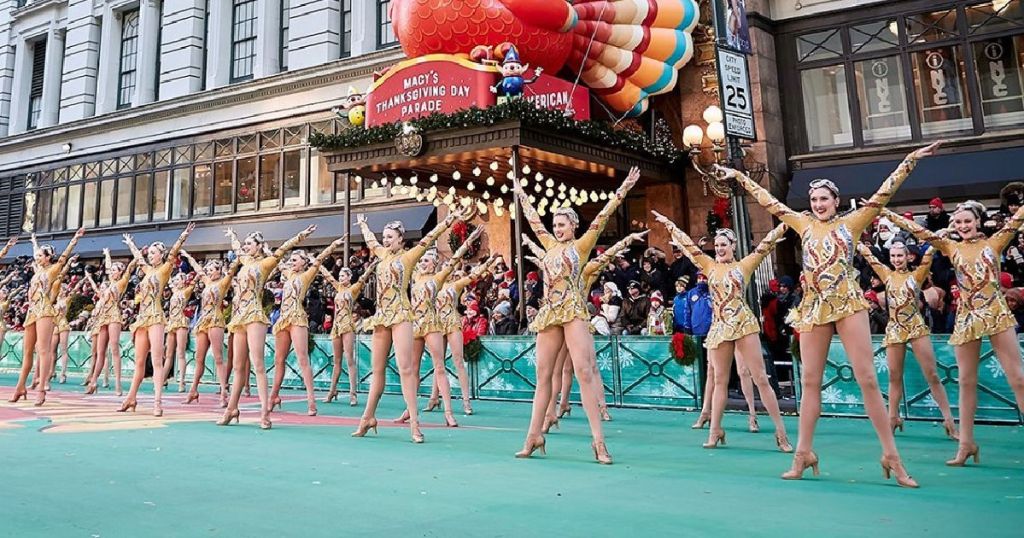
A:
(446, 83)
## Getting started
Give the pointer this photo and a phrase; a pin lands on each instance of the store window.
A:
(124, 199)
(385, 32)
(35, 93)
(346, 28)
(246, 184)
(922, 76)
(293, 178)
(285, 24)
(181, 193)
(89, 205)
(106, 199)
(203, 190)
(74, 218)
(270, 174)
(143, 198)
(128, 58)
(223, 186)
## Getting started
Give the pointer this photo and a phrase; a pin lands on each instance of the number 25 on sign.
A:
(734, 86)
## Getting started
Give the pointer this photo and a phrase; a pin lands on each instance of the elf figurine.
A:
(355, 107)
(512, 82)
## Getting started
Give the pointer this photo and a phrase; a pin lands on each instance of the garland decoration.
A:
(685, 349)
(599, 132)
(460, 231)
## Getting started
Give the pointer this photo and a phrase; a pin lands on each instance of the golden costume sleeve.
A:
(7, 247)
(941, 244)
(877, 266)
(588, 240)
(862, 217)
(533, 219)
(179, 243)
(1001, 239)
(923, 270)
(750, 262)
(780, 210)
(690, 248)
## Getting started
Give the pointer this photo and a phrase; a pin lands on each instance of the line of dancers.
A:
(416, 297)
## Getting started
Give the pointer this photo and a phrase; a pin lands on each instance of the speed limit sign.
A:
(734, 89)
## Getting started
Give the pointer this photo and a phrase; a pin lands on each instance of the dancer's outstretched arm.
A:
(750, 262)
(877, 266)
(587, 241)
(1001, 239)
(940, 243)
(690, 249)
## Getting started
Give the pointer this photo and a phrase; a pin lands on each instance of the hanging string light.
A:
(504, 189)
(549, 193)
(549, 183)
(398, 180)
(414, 179)
(486, 195)
(433, 178)
(481, 208)
(471, 186)
(499, 211)
(498, 202)
(537, 187)
(490, 181)
(476, 171)
(494, 166)
(526, 170)
(456, 175)
(539, 176)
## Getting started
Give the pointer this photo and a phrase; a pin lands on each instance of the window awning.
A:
(210, 237)
(956, 176)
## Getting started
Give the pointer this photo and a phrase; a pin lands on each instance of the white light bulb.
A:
(433, 178)
(494, 165)
(532, 199)
(499, 202)
(499, 211)
(537, 187)
(549, 193)
(541, 211)
(486, 195)
(490, 181)
(359, 179)
(436, 202)
(712, 114)
(465, 201)
(526, 169)
(471, 186)
(476, 170)
(451, 190)
(561, 187)
(504, 189)
(549, 183)
(456, 175)
(481, 208)
(414, 180)
(398, 180)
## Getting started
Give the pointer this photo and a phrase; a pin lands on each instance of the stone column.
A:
(52, 77)
(315, 33)
(181, 48)
(268, 38)
(148, 46)
(6, 79)
(81, 63)
(18, 120)
(364, 26)
(109, 61)
(218, 50)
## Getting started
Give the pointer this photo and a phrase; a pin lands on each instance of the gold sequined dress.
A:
(293, 293)
(731, 317)
(394, 272)
(211, 309)
(40, 287)
(344, 302)
(247, 302)
(176, 318)
(831, 290)
(982, 310)
(149, 293)
(902, 290)
(108, 308)
(562, 263)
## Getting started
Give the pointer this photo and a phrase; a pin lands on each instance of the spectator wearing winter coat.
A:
(659, 318)
(504, 323)
(679, 305)
(937, 218)
(697, 310)
(635, 307)
(681, 267)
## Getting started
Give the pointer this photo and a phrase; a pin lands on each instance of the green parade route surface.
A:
(76, 468)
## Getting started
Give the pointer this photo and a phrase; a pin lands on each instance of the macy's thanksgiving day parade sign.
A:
(476, 53)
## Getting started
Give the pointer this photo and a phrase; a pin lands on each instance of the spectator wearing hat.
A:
(597, 321)
(1015, 300)
(697, 312)
(679, 305)
(789, 296)
(659, 318)
(625, 272)
(878, 317)
(504, 323)
(651, 277)
(937, 218)
(512, 286)
(611, 307)
(681, 268)
(635, 307)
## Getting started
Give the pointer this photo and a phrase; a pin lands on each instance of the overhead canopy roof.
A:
(948, 175)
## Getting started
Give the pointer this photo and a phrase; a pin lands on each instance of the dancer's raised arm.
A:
(764, 248)
(609, 254)
(198, 268)
(587, 241)
(877, 266)
(772, 204)
(92, 283)
(534, 247)
(326, 253)
(330, 278)
(943, 245)
(10, 243)
(532, 218)
(357, 288)
(867, 212)
(63, 259)
(449, 266)
(368, 236)
(136, 253)
(181, 241)
(293, 242)
(236, 245)
(690, 249)
(1001, 239)
(925, 268)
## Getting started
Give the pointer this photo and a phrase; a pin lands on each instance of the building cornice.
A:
(336, 72)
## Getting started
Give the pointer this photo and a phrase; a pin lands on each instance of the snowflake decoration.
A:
(832, 395)
(668, 390)
(604, 362)
(500, 385)
(995, 369)
(626, 360)
(928, 401)
(881, 365)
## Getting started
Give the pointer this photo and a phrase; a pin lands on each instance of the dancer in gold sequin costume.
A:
(343, 331)
(248, 322)
(209, 329)
(906, 325)
(107, 319)
(39, 321)
(292, 327)
(834, 304)
(562, 372)
(393, 322)
(563, 317)
(448, 313)
(177, 326)
(59, 295)
(982, 311)
(428, 327)
(734, 328)
(63, 329)
(148, 329)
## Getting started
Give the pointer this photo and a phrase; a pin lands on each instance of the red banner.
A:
(446, 84)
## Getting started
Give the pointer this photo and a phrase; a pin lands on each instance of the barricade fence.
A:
(636, 371)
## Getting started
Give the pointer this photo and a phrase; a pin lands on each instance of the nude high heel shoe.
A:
(801, 462)
(365, 425)
(703, 419)
(532, 444)
(128, 405)
(782, 442)
(892, 464)
(753, 425)
(415, 433)
(18, 394)
(228, 417)
(715, 438)
(896, 422)
(950, 428)
(963, 453)
(601, 453)
(331, 396)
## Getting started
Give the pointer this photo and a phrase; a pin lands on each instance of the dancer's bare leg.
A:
(156, 340)
(814, 346)
(721, 359)
(409, 372)
(349, 349)
(114, 347)
(141, 350)
(202, 346)
(338, 348)
(44, 348)
(855, 334)
(748, 352)
(256, 339)
(435, 345)
(62, 348)
(282, 345)
(381, 347)
(895, 356)
(300, 341)
(457, 347)
(581, 351)
(216, 338)
(549, 341)
(925, 355)
(27, 352)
